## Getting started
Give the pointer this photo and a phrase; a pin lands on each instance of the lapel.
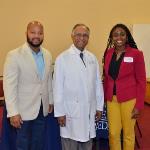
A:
(76, 56)
(123, 67)
(108, 59)
(46, 63)
(30, 58)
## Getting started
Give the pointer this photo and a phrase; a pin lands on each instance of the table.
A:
(51, 135)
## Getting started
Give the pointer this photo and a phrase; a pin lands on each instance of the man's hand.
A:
(51, 107)
(98, 115)
(135, 113)
(62, 121)
(16, 121)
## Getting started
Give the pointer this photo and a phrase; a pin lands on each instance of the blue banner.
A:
(102, 126)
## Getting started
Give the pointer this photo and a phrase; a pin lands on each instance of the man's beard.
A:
(32, 44)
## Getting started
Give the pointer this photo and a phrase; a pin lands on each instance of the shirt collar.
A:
(40, 53)
(37, 54)
(76, 50)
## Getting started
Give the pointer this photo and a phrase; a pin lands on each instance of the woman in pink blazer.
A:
(124, 85)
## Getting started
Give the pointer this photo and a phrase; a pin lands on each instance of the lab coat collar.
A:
(75, 50)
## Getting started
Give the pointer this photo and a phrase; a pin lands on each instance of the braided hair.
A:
(130, 41)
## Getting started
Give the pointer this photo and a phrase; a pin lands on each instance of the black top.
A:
(114, 68)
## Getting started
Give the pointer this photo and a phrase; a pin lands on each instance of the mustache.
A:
(32, 44)
(36, 39)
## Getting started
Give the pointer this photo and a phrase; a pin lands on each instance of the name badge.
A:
(128, 59)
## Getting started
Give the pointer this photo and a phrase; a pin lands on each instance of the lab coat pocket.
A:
(72, 109)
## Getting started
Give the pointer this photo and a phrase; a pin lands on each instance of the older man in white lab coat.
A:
(78, 92)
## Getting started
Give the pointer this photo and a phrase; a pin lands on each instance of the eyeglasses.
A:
(79, 35)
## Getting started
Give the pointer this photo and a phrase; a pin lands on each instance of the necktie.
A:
(81, 56)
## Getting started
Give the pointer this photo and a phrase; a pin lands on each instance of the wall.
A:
(59, 16)
(141, 33)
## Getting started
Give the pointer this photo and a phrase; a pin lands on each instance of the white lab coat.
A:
(78, 93)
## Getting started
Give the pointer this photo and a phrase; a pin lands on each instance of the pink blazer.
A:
(131, 81)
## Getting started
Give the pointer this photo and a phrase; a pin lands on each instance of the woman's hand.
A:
(135, 113)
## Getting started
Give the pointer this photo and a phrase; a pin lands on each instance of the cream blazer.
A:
(23, 88)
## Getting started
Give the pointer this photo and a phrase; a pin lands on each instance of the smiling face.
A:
(119, 38)
(35, 34)
(80, 37)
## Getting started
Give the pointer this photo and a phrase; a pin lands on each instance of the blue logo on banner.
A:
(102, 126)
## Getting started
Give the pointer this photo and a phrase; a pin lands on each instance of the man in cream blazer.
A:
(28, 88)
(78, 92)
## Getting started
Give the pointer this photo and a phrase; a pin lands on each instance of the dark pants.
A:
(31, 134)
